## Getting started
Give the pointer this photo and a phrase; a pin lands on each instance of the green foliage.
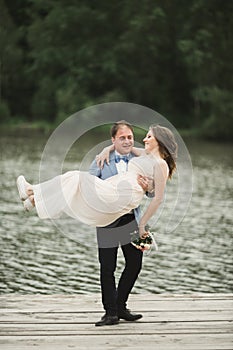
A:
(206, 49)
(10, 62)
(58, 57)
(219, 124)
(70, 98)
(43, 103)
(4, 112)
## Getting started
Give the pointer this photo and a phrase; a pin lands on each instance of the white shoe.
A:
(22, 185)
(28, 206)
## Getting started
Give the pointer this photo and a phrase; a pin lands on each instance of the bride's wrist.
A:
(110, 148)
(142, 226)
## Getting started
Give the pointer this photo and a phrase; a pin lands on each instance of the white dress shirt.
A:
(122, 166)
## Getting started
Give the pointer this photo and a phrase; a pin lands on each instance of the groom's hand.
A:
(147, 183)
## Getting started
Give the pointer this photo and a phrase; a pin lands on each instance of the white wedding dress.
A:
(89, 199)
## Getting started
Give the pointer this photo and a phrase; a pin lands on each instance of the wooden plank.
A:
(210, 327)
(81, 297)
(129, 342)
(45, 304)
(171, 322)
(9, 300)
(91, 317)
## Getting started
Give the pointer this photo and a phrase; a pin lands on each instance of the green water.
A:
(40, 257)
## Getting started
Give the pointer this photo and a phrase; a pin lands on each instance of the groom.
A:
(114, 298)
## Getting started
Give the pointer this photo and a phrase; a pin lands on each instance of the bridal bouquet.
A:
(143, 243)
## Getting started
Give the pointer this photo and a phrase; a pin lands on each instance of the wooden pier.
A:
(170, 322)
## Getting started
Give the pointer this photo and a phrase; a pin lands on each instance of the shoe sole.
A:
(21, 187)
(106, 324)
(100, 324)
(132, 320)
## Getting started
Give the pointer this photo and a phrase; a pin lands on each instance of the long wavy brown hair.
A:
(167, 146)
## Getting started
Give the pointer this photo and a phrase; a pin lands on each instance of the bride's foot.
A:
(24, 188)
(29, 203)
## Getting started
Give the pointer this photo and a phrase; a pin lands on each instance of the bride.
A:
(98, 202)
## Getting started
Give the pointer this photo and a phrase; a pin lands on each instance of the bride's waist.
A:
(130, 177)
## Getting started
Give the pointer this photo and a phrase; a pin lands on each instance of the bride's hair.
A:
(167, 146)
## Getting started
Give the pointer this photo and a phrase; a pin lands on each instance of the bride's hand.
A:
(103, 156)
(142, 232)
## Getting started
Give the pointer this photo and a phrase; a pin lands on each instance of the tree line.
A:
(174, 56)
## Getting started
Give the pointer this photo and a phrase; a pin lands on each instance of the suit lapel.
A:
(112, 165)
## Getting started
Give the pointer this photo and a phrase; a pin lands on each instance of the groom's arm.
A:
(95, 169)
(106, 171)
(146, 183)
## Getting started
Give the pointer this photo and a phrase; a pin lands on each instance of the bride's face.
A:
(151, 143)
(124, 140)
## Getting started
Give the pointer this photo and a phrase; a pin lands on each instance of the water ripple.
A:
(39, 257)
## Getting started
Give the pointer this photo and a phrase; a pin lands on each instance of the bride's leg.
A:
(32, 200)
(29, 190)
(29, 203)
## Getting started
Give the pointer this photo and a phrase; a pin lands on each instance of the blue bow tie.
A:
(119, 158)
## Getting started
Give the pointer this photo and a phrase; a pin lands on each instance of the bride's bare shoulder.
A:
(161, 165)
(138, 151)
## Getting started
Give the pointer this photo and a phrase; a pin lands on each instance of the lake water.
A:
(42, 257)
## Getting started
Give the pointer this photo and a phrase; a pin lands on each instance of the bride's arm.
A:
(138, 151)
(160, 179)
(104, 156)
(146, 183)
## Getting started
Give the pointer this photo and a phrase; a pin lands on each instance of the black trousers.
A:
(109, 238)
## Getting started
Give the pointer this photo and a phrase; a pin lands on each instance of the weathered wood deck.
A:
(170, 322)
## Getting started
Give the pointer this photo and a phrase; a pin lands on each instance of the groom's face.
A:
(123, 140)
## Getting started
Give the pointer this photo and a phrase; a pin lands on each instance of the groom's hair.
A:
(117, 125)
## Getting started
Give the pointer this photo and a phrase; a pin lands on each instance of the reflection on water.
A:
(40, 257)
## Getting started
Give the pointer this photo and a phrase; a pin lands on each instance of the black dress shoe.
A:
(126, 315)
(107, 320)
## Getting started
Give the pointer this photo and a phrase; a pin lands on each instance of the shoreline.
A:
(46, 129)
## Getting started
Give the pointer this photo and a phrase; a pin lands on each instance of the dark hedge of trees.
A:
(174, 56)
